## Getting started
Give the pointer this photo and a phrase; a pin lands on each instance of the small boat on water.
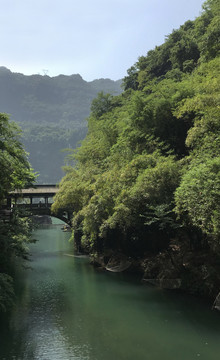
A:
(66, 228)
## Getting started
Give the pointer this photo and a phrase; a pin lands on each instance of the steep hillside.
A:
(147, 182)
(52, 112)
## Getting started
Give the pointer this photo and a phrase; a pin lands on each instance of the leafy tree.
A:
(209, 44)
(101, 104)
(199, 196)
(131, 81)
(14, 167)
(15, 173)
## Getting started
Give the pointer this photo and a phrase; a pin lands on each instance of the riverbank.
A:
(192, 271)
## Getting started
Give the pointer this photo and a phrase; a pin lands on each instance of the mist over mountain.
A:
(52, 113)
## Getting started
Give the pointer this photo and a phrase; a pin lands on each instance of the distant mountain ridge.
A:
(52, 113)
(21, 94)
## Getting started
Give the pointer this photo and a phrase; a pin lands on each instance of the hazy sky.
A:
(93, 38)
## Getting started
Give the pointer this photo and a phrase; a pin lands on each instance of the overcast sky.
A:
(93, 38)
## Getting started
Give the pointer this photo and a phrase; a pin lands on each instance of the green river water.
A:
(66, 309)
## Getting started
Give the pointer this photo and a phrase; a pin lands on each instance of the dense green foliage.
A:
(51, 112)
(150, 163)
(14, 167)
(149, 166)
(15, 173)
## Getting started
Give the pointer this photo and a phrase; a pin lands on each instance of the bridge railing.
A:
(32, 206)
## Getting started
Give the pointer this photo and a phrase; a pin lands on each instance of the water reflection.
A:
(68, 310)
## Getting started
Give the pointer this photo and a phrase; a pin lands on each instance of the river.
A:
(66, 309)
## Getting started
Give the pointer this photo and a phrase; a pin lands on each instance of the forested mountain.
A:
(51, 112)
(147, 180)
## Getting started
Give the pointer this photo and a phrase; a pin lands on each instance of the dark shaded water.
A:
(68, 310)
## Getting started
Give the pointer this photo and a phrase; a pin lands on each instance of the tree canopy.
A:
(150, 162)
(15, 173)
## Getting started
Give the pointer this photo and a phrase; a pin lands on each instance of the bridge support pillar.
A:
(8, 202)
(31, 201)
